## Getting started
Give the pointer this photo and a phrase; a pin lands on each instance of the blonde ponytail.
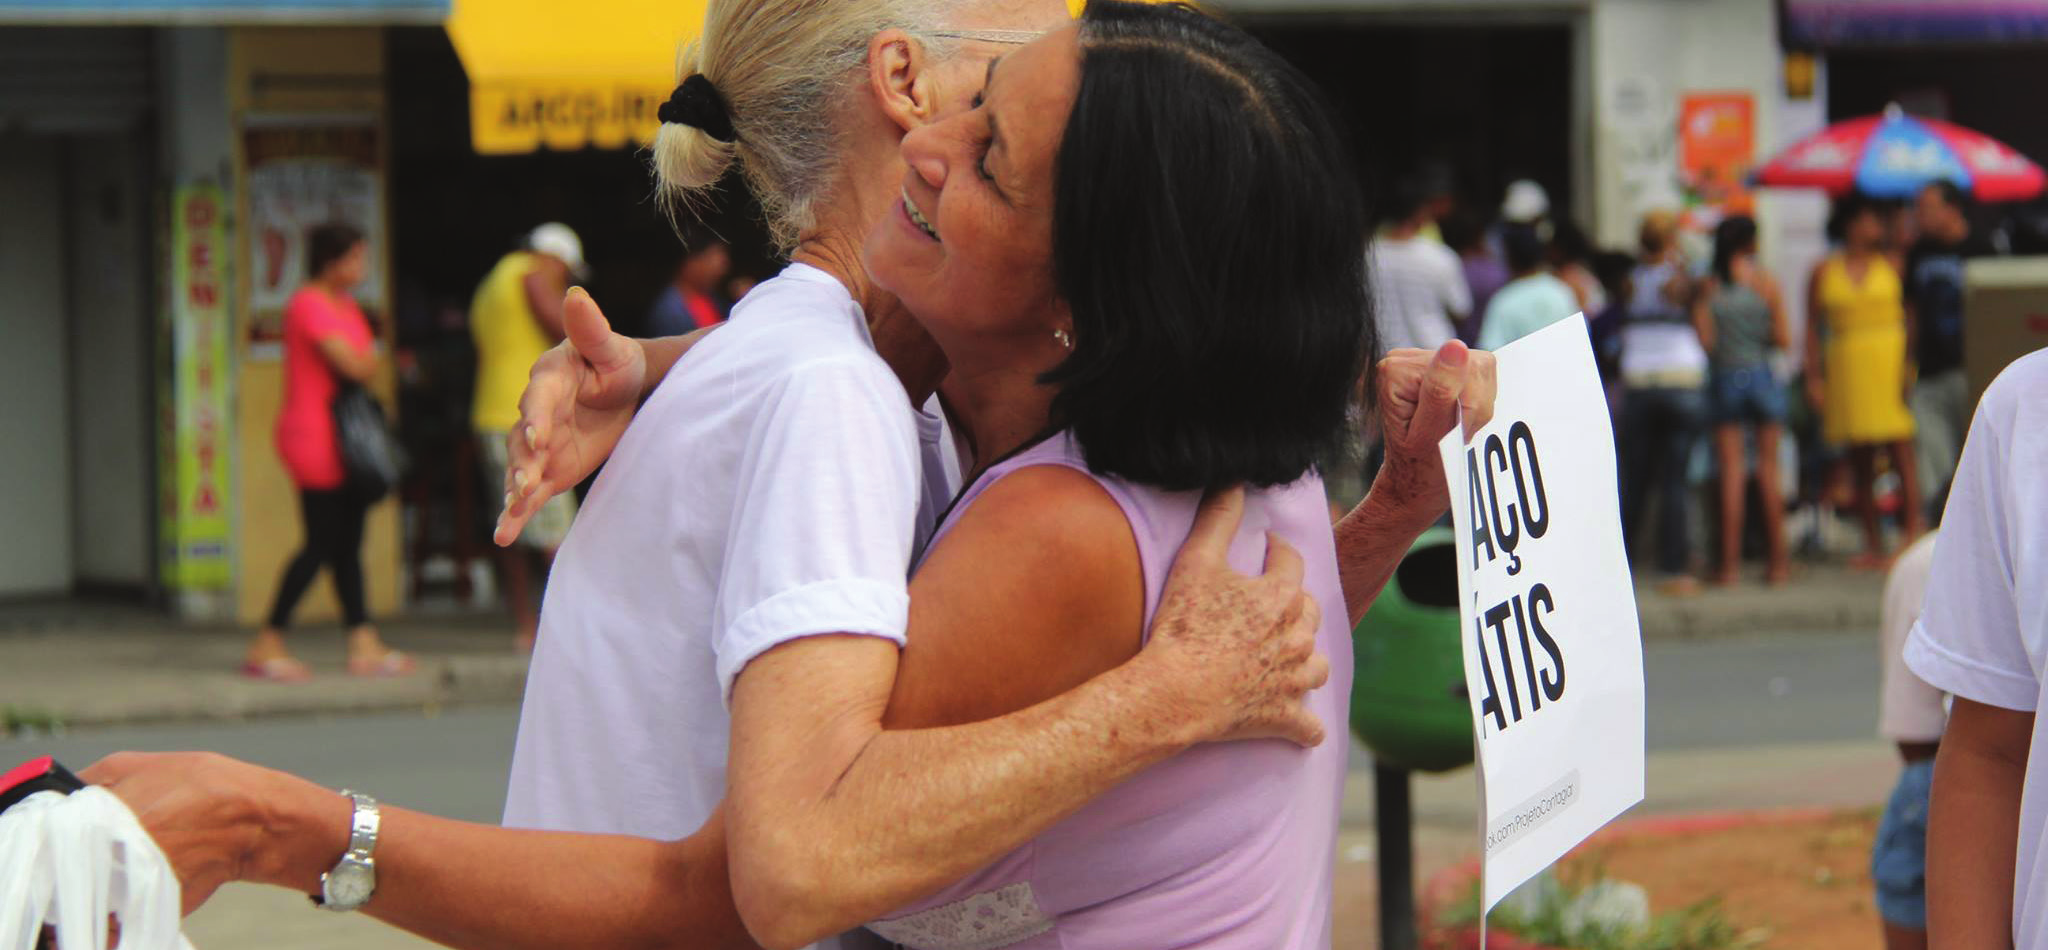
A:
(687, 160)
(781, 68)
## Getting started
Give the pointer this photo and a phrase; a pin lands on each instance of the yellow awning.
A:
(566, 75)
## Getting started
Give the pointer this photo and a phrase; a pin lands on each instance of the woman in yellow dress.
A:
(1857, 378)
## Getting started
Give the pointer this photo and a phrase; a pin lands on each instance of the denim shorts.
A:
(1751, 394)
(1898, 862)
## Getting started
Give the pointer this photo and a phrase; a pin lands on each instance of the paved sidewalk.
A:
(103, 667)
(1820, 598)
(84, 665)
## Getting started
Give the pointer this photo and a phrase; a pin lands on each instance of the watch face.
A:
(349, 885)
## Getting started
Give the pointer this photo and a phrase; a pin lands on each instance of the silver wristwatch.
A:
(354, 877)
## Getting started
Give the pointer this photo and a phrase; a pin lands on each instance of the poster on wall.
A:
(305, 172)
(1716, 149)
(197, 526)
(1552, 646)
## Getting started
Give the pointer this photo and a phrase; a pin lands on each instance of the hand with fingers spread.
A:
(1422, 396)
(1241, 649)
(579, 399)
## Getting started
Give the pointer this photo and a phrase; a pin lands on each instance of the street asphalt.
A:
(1734, 723)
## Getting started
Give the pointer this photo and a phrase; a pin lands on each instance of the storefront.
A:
(1972, 65)
(1484, 91)
(158, 161)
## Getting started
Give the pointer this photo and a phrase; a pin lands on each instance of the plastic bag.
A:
(71, 860)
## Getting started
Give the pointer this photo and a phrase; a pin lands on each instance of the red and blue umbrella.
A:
(1894, 155)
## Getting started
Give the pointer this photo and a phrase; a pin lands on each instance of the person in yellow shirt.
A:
(515, 317)
(1857, 371)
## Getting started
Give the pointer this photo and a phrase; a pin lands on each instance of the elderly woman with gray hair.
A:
(736, 582)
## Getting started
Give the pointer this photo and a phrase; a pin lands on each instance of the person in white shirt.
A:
(755, 616)
(1911, 714)
(1983, 638)
(1534, 299)
(1663, 403)
(1419, 290)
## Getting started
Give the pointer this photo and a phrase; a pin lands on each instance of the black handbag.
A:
(371, 458)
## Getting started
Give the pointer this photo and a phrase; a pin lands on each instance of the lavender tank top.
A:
(1227, 845)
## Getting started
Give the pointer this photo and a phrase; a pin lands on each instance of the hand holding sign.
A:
(1422, 396)
(1553, 651)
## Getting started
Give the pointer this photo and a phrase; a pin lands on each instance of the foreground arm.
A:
(881, 817)
(1973, 826)
(835, 821)
(453, 882)
(1422, 396)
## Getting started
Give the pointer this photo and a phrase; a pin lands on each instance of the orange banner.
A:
(1716, 148)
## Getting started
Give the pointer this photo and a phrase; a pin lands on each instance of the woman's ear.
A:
(899, 75)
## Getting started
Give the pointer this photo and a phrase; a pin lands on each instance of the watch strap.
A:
(364, 822)
(363, 825)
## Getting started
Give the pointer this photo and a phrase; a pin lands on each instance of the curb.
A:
(1663, 621)
(225, 697)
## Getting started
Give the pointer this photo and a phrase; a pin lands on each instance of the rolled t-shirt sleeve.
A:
(824, 516)
(1968, 640)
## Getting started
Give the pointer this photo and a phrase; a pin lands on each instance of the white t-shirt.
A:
(1911, 710)
(1983, 632)
(1418, 284)
(770, 489)
(1658, 341)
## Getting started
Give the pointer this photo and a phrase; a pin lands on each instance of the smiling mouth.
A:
(917, 217)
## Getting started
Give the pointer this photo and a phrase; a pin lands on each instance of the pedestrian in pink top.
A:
(327, 345)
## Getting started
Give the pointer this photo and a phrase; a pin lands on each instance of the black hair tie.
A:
(696, 103)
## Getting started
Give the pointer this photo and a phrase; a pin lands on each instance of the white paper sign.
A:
(1553, 651)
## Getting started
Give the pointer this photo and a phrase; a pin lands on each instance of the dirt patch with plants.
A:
(1716, 883)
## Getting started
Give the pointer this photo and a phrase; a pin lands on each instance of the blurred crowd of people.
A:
(515, 316)
(1718, 401)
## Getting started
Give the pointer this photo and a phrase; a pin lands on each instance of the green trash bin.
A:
(1409, 704)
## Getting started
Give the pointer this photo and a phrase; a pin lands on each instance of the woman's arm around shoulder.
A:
(1037, 589)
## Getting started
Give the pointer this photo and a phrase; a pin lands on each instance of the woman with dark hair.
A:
(327, 345)
(1856, 366)
(1741, 321)
(1122, 334)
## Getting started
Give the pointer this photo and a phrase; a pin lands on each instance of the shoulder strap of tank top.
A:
(968, 485)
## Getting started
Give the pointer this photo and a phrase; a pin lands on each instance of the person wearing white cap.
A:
(1526, 203)
(515, 317)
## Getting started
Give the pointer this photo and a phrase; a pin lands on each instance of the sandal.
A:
(391, 663)
(277, 669)
(1870, 562)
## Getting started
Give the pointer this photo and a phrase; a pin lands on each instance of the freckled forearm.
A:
(1371, 541)
(916, 809)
